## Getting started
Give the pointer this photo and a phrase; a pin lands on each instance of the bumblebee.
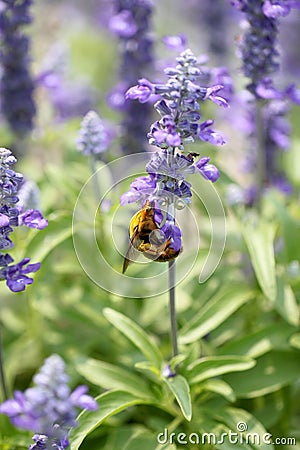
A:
(147, 238)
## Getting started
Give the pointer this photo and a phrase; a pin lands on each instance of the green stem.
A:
(172, 307)
(2, 375)
(261, 157)
(95, 178)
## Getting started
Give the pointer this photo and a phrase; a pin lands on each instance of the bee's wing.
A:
(132, 252)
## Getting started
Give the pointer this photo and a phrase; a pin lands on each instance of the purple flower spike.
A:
(178, 104)
(131, 23)
(10, 216)
(16, 83)
(49, 407)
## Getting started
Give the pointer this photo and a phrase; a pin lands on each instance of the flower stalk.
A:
(2, 373)
(172, 308)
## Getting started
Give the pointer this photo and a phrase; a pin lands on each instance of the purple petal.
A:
(82, 400)
(33, 218)
(210, 172)
(160, 136)
(32, 268)
(266, 90)
(293, 94)
(173, 140)
(276, 10)
(19, 284)
(202, 161)
(4, 220)
(175, 42)
(123, 24)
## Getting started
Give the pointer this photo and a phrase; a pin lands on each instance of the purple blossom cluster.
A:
(12, 215)
(181, 122)
(131, 23)
(16, 84)
(94, 137)
(260, 55)
(259, 42)
(213, 21)
(49, 407)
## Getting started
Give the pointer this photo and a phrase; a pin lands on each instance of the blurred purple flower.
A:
(132, 23)
(123, 24)
(16, 84)
(94, 136)
(175, 42)
(49, 407)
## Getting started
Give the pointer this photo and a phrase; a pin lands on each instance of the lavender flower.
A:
(16, 85)
(166, 186)
(69, 97)
(49, 407)
(259, 43)
(269, 106)
(11, 215)
(131, 24)
(94, 138)
(16, 275)
(212, 19)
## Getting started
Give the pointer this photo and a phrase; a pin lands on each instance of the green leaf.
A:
(289, 227)
(273, 337)
(180, 388)
(272, 371)
(218, 387)
(212, 366)
(140, 440)
(109, 376)
(237, 419)
(215, 312)
(110, 403)
(286, 303)
(295, 340)
(136, 335)
(260, 244)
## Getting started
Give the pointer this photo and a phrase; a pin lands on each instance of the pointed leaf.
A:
(180, 388)
(260, 342)
(136, 335)
(219, 387)
(286, 303)
(212, 366)
(238, 420)
(272, 371)
(260, 244)
(110, 403)
(295, 340)
(215, 312)
(109, 376)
